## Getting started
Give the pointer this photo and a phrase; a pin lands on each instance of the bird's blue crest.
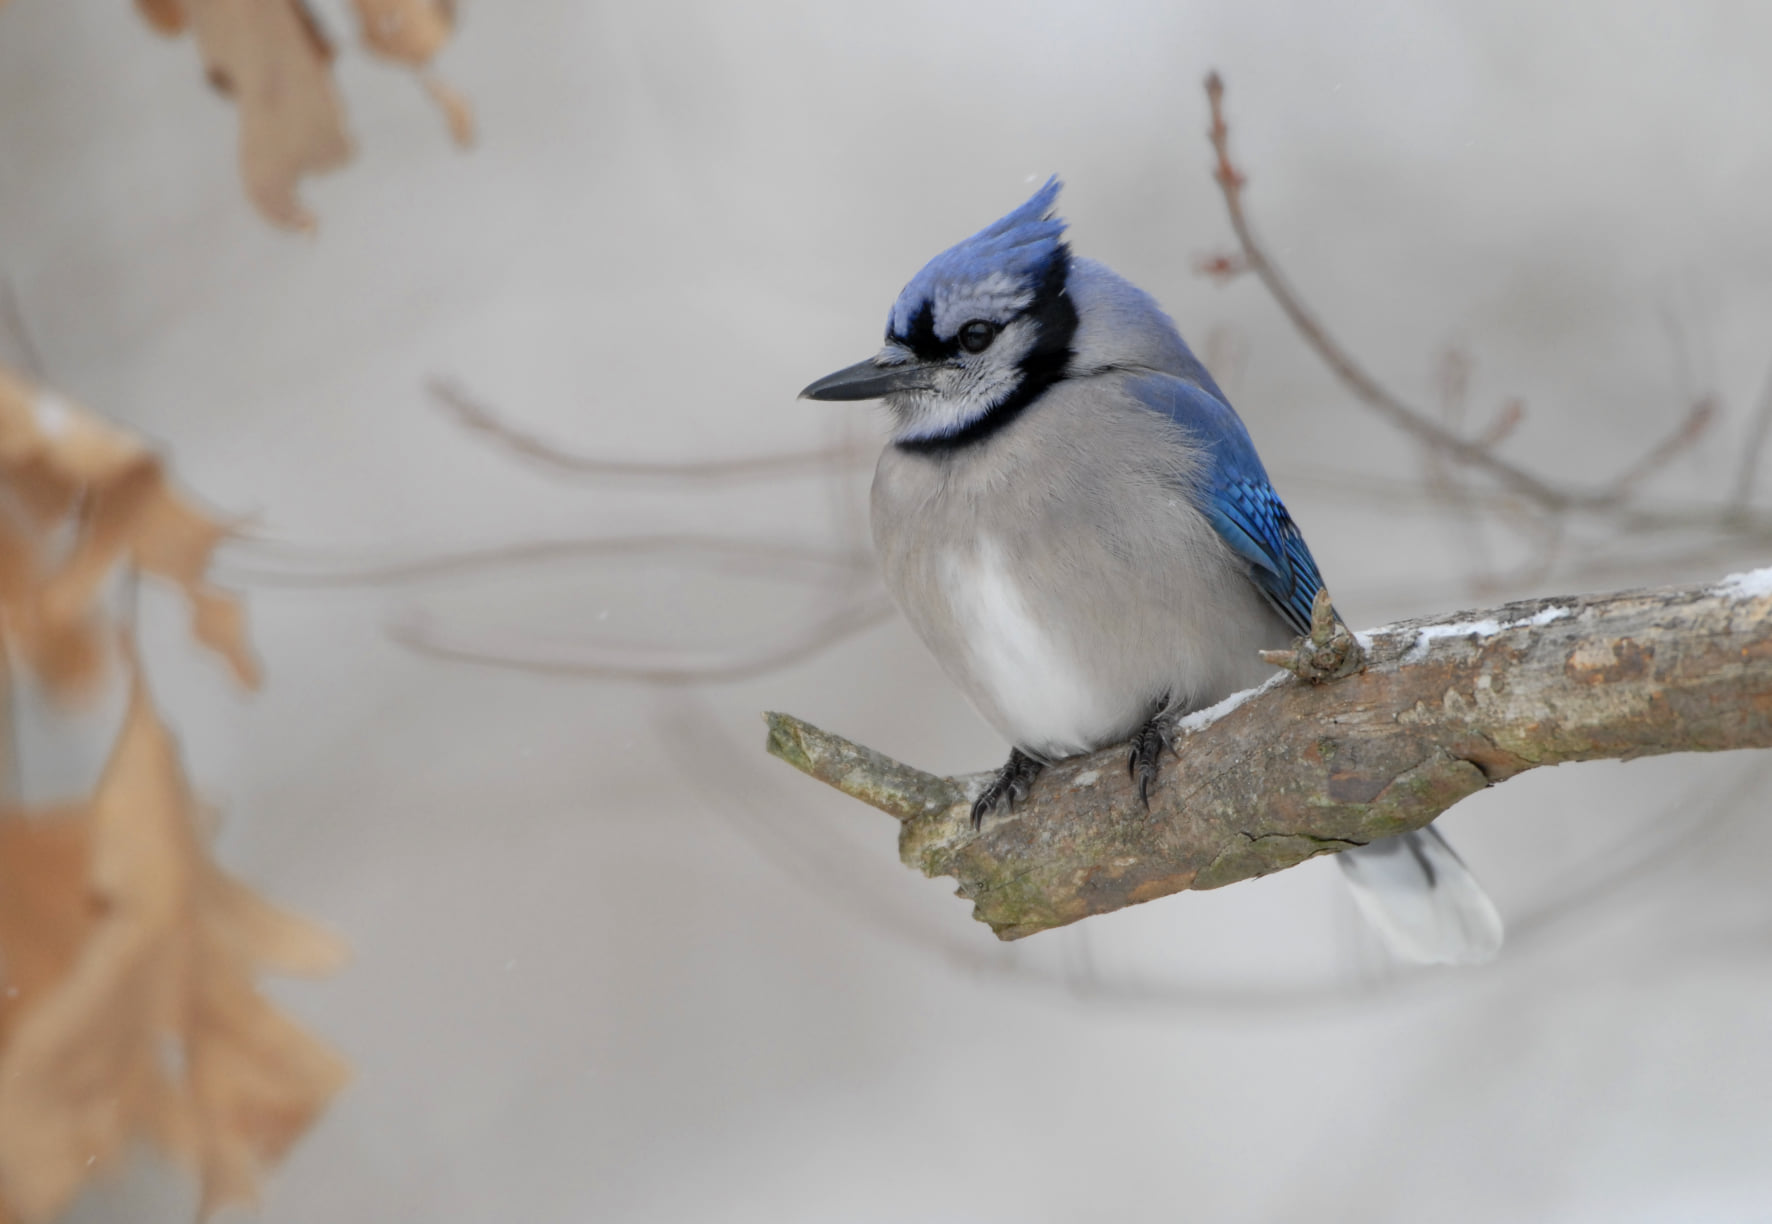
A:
(1019, 246)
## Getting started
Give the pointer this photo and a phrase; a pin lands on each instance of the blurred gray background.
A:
(614, 964)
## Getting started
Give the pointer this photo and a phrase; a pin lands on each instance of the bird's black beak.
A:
(869, 379)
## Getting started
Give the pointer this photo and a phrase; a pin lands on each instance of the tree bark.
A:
(1289, 771)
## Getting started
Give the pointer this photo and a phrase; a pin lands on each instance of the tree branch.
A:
(1288, 771)
(1477, 453)
(477, 417)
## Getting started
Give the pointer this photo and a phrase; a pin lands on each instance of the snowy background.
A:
(614, 964)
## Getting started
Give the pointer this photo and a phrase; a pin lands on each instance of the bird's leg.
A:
(1011, 783)
(1146, 756)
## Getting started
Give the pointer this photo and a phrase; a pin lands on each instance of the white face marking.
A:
(1043, 699)
(997, 298)
(965, 390)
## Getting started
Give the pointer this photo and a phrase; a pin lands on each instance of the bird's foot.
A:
(1146, 757)
(1011, 784)
(1330, 651)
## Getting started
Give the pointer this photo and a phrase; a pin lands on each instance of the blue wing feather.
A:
(1236, 496)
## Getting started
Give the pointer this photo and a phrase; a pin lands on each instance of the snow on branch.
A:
(1441, 710)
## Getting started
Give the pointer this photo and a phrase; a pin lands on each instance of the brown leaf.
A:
(69, 657)
(90, 498)
(456, 111)
(271, 58)
(45, 910)
(152, 1026)
(409, 31)
(219, 622)
(166, 16)
(412, 32)
(65, 656)
(127, 957)
(273, 61)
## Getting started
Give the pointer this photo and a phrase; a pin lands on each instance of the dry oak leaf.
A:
(274, 60)
(271, 58)
(131, 1010)
(45, 912)
(166, 16)
(412, 32)
(45, 909)
(78, 497)
(408, 31)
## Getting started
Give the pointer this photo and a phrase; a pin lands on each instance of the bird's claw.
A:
(1328, 653)
(1012, 783)
(1145, 759)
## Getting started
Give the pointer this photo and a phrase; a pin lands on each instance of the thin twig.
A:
(1446, 480)
(1685, 434)
(1745, 527)
(579, 659)
(1506, 421)
(766, 558)
(1367, 388)
(1417, 424)
(475, 416)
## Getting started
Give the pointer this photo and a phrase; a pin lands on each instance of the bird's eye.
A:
(976, 336)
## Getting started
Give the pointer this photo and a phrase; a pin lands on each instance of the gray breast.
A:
(1061, 573)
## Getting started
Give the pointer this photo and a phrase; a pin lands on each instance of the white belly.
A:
(1031, 682)
(1070, 590)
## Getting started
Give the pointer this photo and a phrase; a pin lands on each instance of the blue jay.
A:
(1076, 523)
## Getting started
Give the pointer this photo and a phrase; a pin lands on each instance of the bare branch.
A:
(588, 658)
(895, 788)
(257, 561)
(1504, 424)
(1478, 453)
(1290, 771)
(1367, 388)
(1698, 419)
(475, 416)
(1470, 538)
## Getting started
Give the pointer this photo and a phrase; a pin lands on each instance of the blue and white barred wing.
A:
(1236, 496)
(1419, 895)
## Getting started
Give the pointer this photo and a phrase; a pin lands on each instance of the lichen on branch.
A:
(1441, 710)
